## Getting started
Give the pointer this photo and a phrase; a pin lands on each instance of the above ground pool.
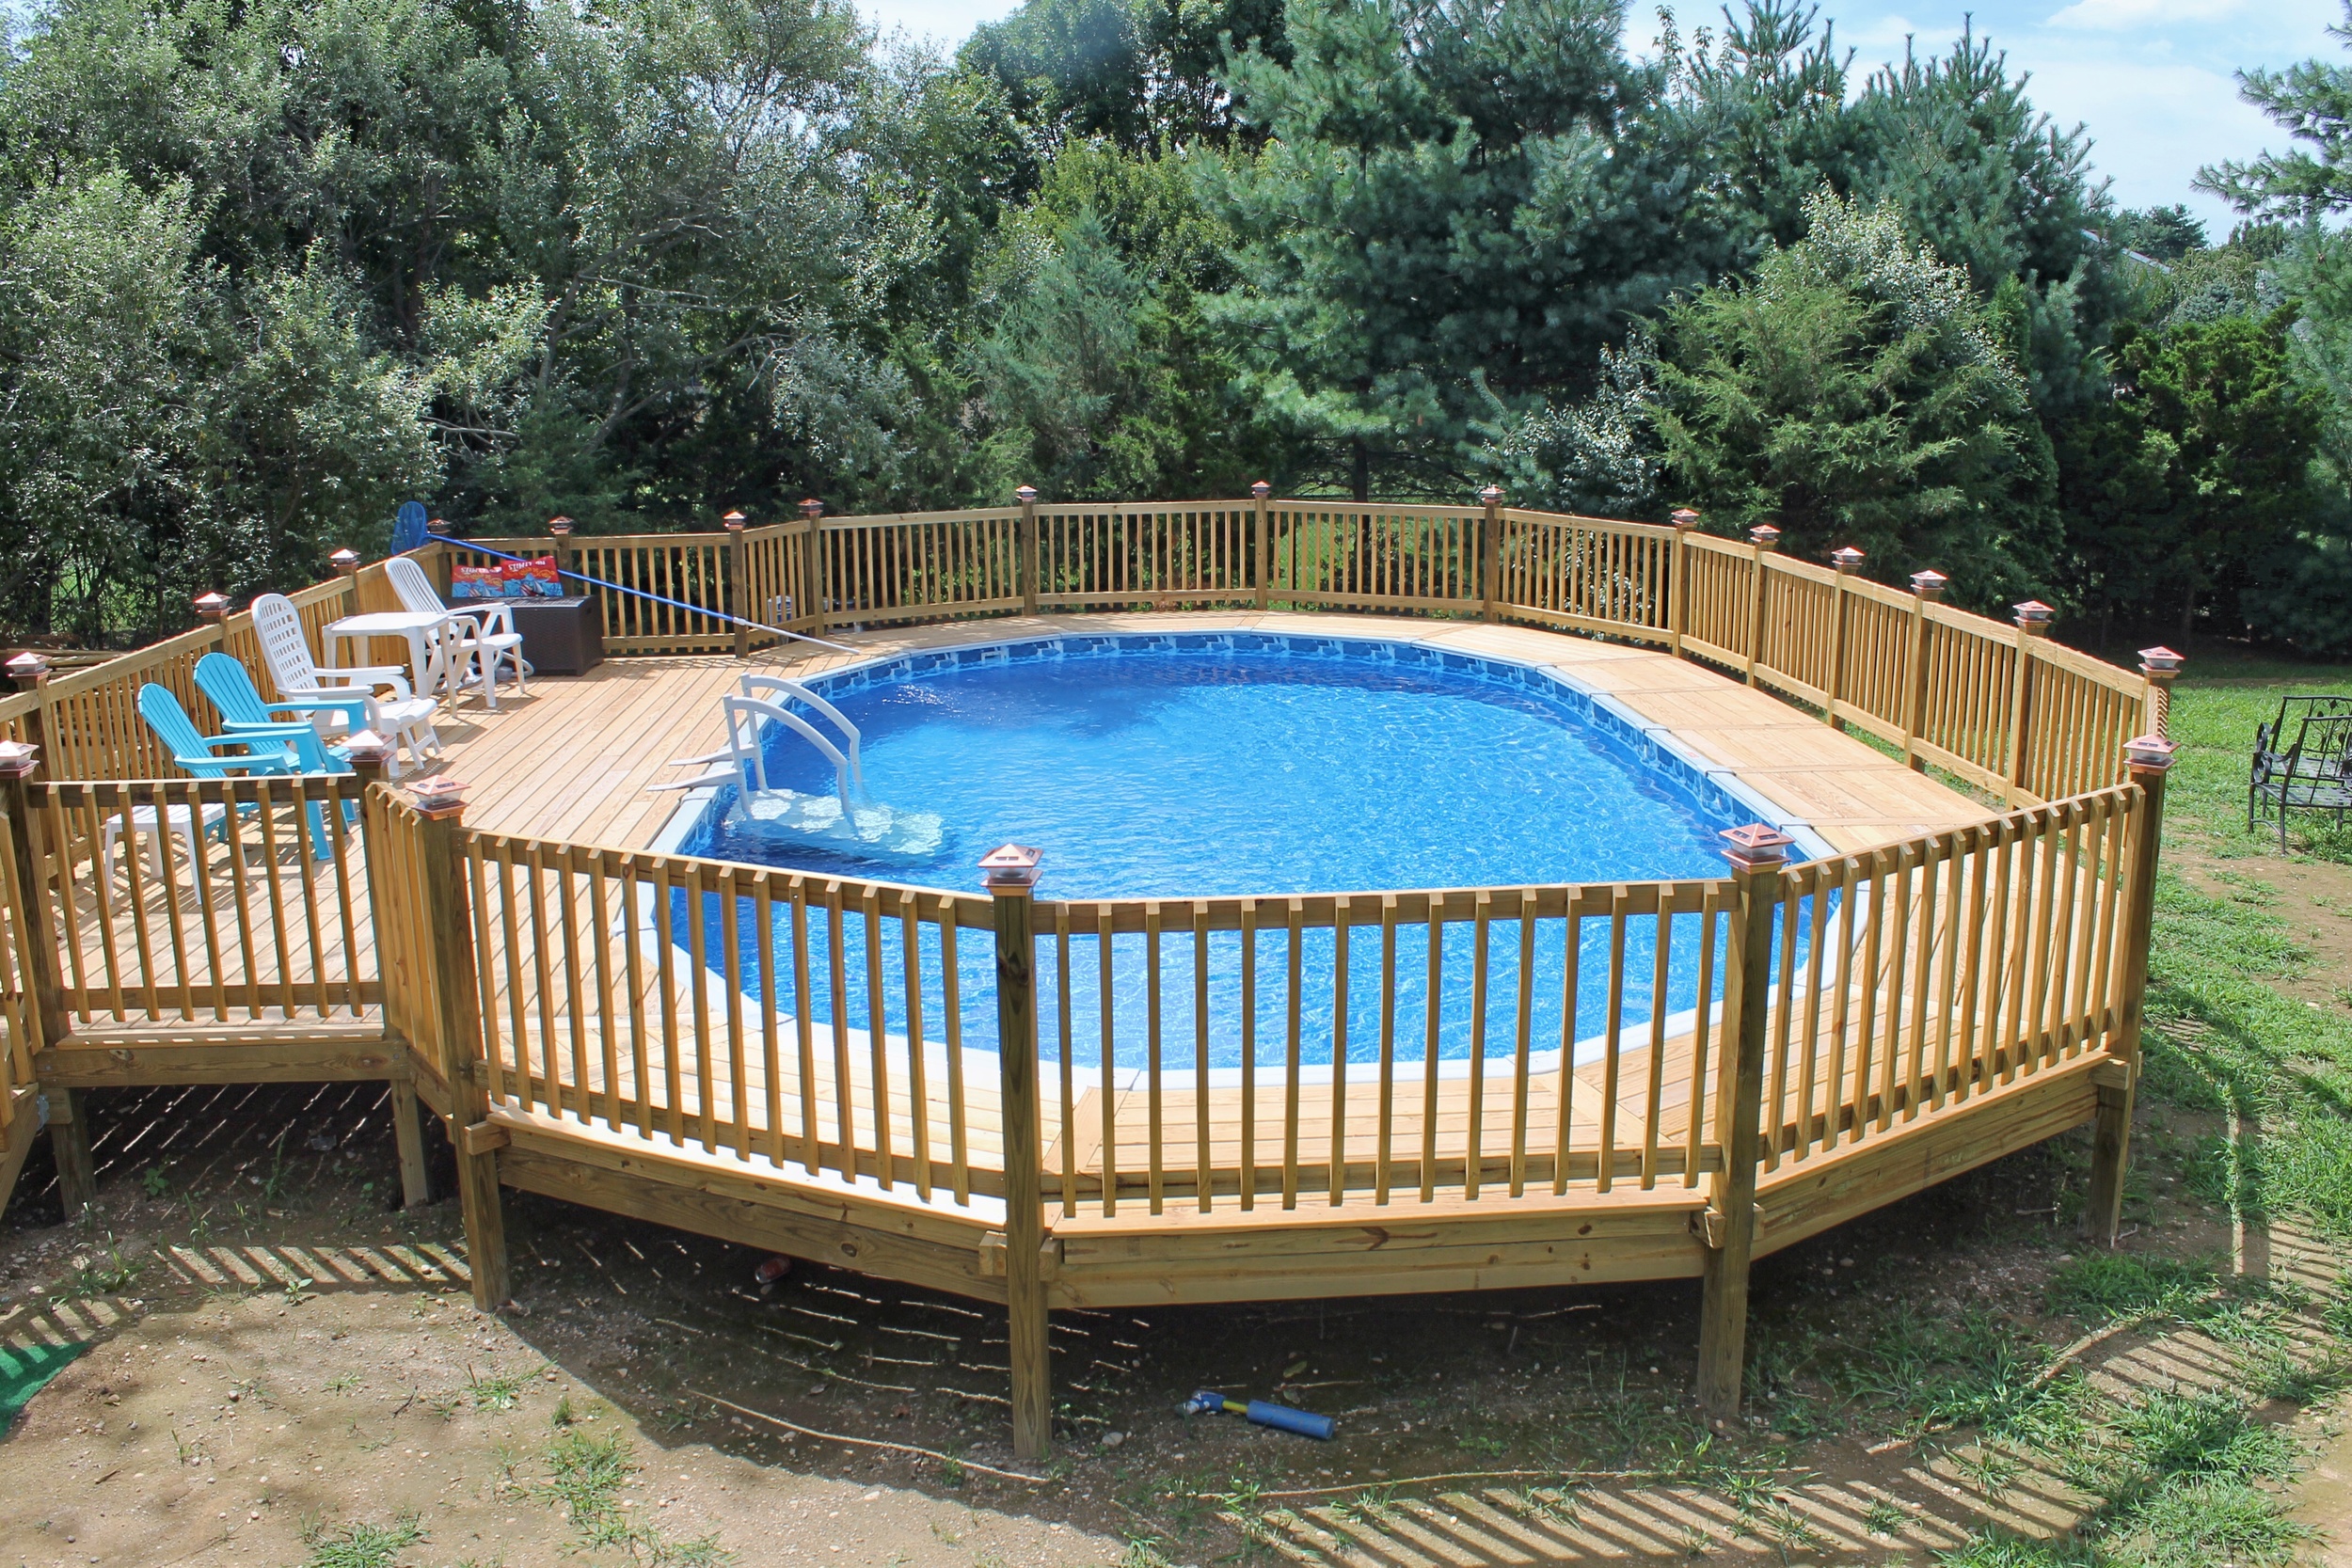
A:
(1208, 763)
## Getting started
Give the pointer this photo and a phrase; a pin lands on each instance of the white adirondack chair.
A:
(406, 718)
(479, 639)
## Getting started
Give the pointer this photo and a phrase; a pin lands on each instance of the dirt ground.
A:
(226, 1410)
(224, 1430)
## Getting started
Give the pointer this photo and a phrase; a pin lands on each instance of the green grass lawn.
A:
(2215, 713)
(2191, 1480)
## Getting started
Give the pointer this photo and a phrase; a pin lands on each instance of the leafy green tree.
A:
(1099, 377)
(102, 310)
(2187, 487)
(1858, 391)
(1761, 107)
(1137, 73)
(2313, 99)
(1455, 202)
(1997, 189)
(2161, 233)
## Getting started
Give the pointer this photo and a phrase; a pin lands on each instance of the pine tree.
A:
(1456, 201)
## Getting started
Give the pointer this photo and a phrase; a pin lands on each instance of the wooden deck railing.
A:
(1683, 1051)
(1999, 705)
(1458, 1045)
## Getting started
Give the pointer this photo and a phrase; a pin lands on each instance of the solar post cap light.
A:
(1011, 865)
(411, 531)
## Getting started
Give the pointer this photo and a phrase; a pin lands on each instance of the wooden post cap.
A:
(1929, 584)
(1011, 867)
(2160, 662)
(559, 527)
(438, 796)
(735, 521)
(1756, 846)
(1025, 495)
(17, 759)
(28, 669)
(1846, 558)
(2033, 614)
(2148, 753)
(346, 561)
(1491, 495)
(1684, 518)
(1764, 536)
(1262, 489)
(211, 606)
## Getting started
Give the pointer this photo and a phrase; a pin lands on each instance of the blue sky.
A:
(2151, 78)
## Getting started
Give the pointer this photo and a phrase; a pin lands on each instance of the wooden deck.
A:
(682, 1078)
(572, 760)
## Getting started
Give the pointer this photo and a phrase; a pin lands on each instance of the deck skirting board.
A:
(1805, 1197)
(623, 1183)
(257, 1055)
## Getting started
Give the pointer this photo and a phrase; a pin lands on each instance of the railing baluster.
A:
(1203, 1169)
(1606, 1167)
(1154, 1176)
(1249, 1167)
(1339, 1049)
(918, 1083)
(1523, 1043)
(1386, 1109)
(1474, 1120)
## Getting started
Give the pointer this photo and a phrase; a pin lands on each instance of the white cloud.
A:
(2119, 15)
(2153, 125)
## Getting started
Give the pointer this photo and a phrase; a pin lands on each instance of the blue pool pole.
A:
(1265, 1413)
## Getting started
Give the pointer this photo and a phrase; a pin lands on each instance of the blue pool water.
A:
(1239, 763)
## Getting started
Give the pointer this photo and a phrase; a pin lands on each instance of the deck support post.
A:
(69, 1145)
(1762, 537)
(1926, 589)
(69, 1132)
(1490, 553)
(2033, 625)
(1844, 560)
(37, 929)
(416, 1177)
(1012, 872)
(1263, 545)
(456, 1000)
(2111, 1130)
(1678, 588)
(1756, 853)
(739, 583)
(369, 754)
(1025, 555)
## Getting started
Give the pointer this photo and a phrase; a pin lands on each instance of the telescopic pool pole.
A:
(410, 531)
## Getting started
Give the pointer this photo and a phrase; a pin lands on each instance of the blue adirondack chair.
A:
(231, 687)
(275, 750)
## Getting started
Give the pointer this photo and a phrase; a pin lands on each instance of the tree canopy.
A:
(267, 269)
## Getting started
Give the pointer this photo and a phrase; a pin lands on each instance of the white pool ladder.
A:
(741, 755)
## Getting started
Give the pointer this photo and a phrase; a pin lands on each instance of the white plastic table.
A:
(415, 625)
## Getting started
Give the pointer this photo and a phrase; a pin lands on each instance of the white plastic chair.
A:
(474, 639)
(406, 718)
(164, 824)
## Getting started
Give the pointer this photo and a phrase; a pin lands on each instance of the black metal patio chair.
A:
(2314, 772)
